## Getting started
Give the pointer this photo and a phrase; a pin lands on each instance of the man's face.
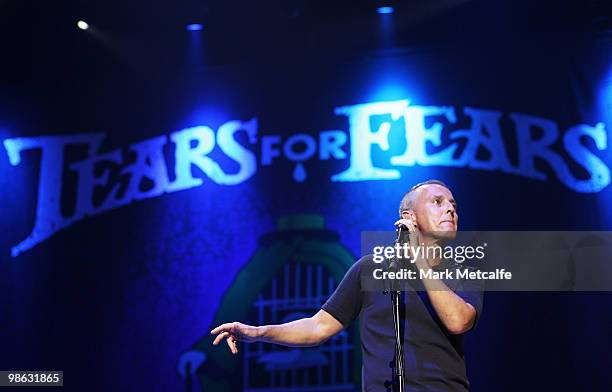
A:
(436, 211)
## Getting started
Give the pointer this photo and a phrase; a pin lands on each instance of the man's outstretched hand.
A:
(235, 332)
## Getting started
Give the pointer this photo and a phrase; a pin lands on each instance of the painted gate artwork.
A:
(292, 273)
(290, 297)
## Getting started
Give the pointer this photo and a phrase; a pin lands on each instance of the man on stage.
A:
(434, 318)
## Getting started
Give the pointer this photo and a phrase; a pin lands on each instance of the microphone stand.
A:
(395, 291)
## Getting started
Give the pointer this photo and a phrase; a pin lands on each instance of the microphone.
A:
(401, 227)
(403, 233)
(393, 264)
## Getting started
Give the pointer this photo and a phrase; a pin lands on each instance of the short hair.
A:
(408, 199)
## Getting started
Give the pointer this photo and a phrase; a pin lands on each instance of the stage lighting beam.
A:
(194, 27)
(81, 24)
(385, 10)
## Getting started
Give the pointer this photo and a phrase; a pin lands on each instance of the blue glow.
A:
(195, 53)
(194, 27)
(605, 99)
(204, 113)
(390, 91)
(390, 81)
(603, 111)
(385, 10)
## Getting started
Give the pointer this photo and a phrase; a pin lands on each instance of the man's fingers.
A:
(221, 328)
(409, 223)
(231, 342)
(231, 331)
(404, 221)
(220, 337)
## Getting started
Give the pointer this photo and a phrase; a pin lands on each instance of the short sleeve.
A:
(345, 302)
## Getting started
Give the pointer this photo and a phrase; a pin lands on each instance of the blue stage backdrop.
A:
(140, 208)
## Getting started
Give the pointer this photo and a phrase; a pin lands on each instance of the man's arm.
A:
(457, 315)
(305, 332)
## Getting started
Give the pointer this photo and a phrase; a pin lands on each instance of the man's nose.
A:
(450, 209)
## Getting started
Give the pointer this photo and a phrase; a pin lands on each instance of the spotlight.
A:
(385, 10)
(194, 27)
(81, 24)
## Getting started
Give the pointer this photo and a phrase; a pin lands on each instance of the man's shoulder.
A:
(366, 262)
(362, 264)
(369, 258)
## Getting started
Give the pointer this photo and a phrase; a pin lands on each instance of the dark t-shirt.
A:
(433, 357)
